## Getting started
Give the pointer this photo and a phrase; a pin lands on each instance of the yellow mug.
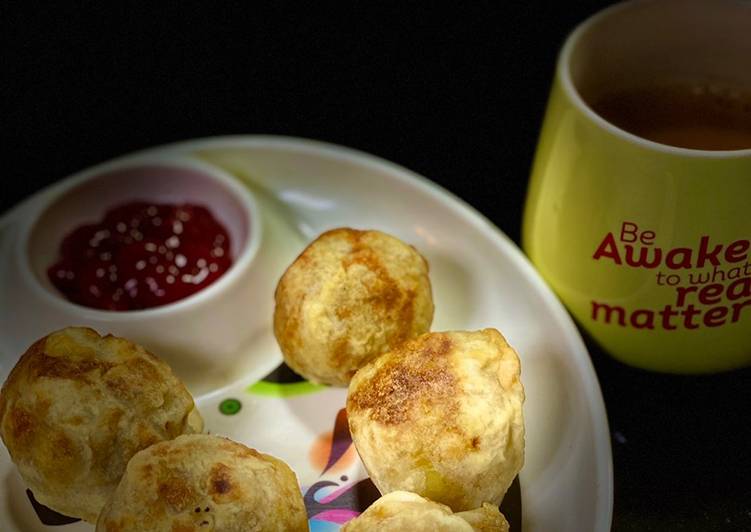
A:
(648, 245)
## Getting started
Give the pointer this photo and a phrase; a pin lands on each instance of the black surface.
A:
(454, 94)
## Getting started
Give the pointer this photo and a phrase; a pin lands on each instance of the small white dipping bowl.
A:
(201, 335)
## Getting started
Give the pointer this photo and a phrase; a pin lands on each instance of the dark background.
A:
(456, 94)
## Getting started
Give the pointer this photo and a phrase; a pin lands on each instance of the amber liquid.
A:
(702, 116)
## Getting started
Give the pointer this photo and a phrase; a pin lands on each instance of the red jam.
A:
(142, 255)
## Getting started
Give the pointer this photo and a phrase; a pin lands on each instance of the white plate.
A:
(480, 279)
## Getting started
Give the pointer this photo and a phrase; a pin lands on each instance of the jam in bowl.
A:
(142, 254)
(158, 248)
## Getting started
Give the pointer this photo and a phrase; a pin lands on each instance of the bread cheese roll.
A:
(403, 511)
(77, 406)
(441, 416)
(350, 296)
(203, 483)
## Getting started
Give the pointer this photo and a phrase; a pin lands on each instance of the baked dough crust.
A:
(77, 406)
(203, 483)
(350, 296)
(401, 510)
(441, 416)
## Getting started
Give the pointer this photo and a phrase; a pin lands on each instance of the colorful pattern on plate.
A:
(334, 498)
(283, 382)
(332, 503)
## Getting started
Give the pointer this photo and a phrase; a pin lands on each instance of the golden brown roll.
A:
(404, 511)
(77, 406)
(348, 297)
(205, 483)
(441, 416)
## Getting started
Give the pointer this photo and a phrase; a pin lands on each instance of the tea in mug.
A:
(695, 115)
